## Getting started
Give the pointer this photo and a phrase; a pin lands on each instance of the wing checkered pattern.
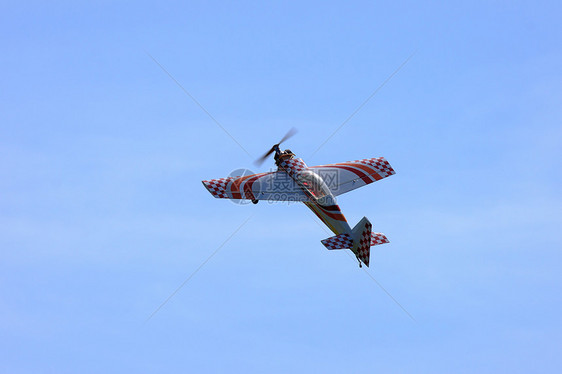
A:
(217, 187)
(378, 238)
(340, 241)
(293, 165)
(363, 251)
(380, 164)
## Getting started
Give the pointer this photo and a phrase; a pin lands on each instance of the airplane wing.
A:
(273, 186)
(347, 176)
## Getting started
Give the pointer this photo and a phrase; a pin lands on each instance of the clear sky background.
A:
(103, 214)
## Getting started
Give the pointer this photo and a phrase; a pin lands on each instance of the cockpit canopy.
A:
(317, 187)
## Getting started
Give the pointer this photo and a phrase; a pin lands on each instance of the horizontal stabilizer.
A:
(343, 241)
(340, 241)
(360, 241)
(378, 238)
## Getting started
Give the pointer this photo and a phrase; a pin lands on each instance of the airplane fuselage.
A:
(321, 200)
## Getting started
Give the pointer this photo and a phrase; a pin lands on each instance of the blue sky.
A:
(103, 216)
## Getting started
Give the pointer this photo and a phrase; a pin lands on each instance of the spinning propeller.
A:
(289, 134)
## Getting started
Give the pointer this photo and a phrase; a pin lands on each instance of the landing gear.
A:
(360, 264)
(255, 201)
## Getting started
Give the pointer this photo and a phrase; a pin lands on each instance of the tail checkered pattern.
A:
(378, 238)
(363, 251)
(340, 241)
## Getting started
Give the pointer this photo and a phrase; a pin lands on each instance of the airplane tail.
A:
(360, 241)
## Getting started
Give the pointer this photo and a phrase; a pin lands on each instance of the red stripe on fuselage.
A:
(313, 207)
(333, 212)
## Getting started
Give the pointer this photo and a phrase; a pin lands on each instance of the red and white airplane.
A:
(316, 187)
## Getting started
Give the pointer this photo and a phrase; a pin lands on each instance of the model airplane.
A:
(316, 187)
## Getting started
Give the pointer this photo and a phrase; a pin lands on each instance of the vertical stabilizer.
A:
(361, 235)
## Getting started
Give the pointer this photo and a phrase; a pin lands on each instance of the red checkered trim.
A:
(217, 187)
(363, 251)
(380, 164)
(340, 241)
(378, 238)
(293, 165)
